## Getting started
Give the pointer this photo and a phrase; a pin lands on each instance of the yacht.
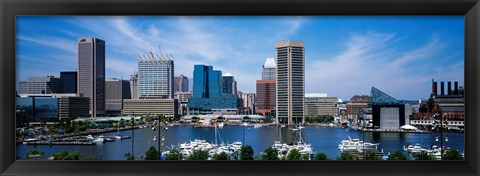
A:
(257, 126)
(220, 125)
(356, 145)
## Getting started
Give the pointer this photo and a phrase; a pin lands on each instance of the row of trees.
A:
(247, 153)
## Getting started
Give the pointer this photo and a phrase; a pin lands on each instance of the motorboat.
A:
(356, 145)
(154, 138)
(220, 125)
(257, 126)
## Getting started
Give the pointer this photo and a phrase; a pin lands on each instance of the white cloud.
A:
(63, 44)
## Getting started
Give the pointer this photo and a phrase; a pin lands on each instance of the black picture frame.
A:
(11, 8)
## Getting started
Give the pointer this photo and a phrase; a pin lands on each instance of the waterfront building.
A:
(269, 71)
(183, 98)
(320, 104)
(134, 85)
(73, 107)
(166, 107)
(266, 101)
(451, 104)
(91, 73)
(207, 92)
(356, 103)
(229, 85)
(290, 82)
(38, 107)
(116, 90)
(155, 76)
(248, 103)
(40, 85)
(387, 112)
(181, 84)
(69, 81)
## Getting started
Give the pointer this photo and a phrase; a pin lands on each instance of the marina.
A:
(320, 139)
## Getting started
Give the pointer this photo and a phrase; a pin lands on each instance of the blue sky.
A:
(344, 56)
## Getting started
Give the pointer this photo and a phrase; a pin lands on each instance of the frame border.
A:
(12, 8)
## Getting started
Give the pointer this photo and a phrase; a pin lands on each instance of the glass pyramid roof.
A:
(379, 97)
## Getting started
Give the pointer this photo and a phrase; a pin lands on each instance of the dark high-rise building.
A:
(91, 73)
(290, 81)
(116, 90)
(134, 85)
(181, 84)
(69, 81)
(229, 85)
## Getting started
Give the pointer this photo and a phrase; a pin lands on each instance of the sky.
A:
(344, 55)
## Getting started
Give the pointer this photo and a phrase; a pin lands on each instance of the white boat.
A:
(220, 125)
(154, 138)
(282, 126)
(257, 126)
(356, 145)
(153, 128)
(99, 140)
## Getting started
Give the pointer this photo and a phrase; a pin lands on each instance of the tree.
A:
(129, 156)
(66, 155)
(294, 155)
(174, 155)
(35, 152)
(90, 157)
(321, 156)
(246, 152)
(371, 155)
(452, 154)
(221, 156)
(397, 155)
(423, 155)
(152, 154)
(346, 156)
(270, 154)
(198, 155)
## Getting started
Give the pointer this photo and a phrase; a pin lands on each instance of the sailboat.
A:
(118, 132)
(154, 138)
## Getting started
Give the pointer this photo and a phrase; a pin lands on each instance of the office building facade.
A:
(73, 107)
(69, 81)
(116, 90)
(208, 93)
(166, 107)
(134, 85)
(41, 85)
(320, 104)
(155, 76)
(91, 73)
(269, 71)
(181, 84)
(290, 82)
(229, 85)
(248, 103)
(266, 101)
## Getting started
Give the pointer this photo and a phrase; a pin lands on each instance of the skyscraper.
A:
(181, 84)
(40, 85)
(229, 85)
(69, 81)
(208, 95)
(91, 73)
(290, 81)
(134, 85)
(265, 103)
(155, 76)
(269, 71)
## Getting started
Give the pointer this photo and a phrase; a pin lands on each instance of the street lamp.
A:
(441, 144)
(133, 134)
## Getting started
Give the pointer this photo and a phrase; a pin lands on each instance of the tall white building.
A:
(155, 76)
(290, 82)
(269, 71)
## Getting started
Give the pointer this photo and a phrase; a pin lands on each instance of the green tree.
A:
(397, 155)
(452, 154)
(294, 155)
(174, 155)
(246, 152)
(221, 156)
(198, 155)
(129, 156)
(152, 154)
(35, 152)
(66, 155)
(90, 157)
(345, 156)
(270, 154)
(371, 155)
(423, 155)
(321, 156)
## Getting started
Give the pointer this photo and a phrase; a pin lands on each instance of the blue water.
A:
(322, 139)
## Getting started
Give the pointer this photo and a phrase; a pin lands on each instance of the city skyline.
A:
(351, 51)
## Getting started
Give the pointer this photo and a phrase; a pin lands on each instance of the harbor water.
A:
(322, 139)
